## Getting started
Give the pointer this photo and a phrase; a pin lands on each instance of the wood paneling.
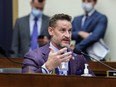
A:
(96, 67)
(15, 10)
(42, 80)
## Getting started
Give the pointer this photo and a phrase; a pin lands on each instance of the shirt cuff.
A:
(45, 70)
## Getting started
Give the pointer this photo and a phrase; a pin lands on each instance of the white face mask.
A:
(36, 12)
(87, 6)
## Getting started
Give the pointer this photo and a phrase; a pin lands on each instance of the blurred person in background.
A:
(89, 27)
(42, 40)
(27, 29)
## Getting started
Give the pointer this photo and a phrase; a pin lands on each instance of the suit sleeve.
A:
(96, 34)
(75, 28)
(31, 63)
(15, 39)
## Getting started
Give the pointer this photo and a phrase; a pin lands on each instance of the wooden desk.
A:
(99, 69)
(5, 63)
(39, 80)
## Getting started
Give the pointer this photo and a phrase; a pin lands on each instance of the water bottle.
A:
(63, 68)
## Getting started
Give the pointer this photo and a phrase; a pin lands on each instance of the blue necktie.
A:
(34, 43)
(85, 22)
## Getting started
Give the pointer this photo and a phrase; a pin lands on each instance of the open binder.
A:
(98, 50)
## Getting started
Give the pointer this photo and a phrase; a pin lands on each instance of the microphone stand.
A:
(99, 61)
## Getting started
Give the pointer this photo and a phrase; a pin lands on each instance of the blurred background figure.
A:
(27, 29)
(89, 27)
(42, 40)
(72, 44)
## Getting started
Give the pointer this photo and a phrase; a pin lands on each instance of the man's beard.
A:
(60, 46)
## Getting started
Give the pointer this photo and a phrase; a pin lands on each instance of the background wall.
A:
(73, 8)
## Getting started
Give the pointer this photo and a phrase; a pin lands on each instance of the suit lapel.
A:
(72, 67)
(27, 26)
(72, 64)
(43, 23)
(89, 21)
(80, 22)
(45, 51)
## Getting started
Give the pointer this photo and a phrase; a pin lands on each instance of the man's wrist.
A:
(48, 67)
(45, 70)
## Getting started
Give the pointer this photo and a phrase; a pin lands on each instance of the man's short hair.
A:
(95, 1)
(39, 1)
(56, 17)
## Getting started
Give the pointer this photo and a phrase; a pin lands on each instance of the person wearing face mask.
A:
(89, 27)
(27, 29)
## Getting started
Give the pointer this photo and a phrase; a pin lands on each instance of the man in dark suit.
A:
(56, 56)
(23, 30)
(88, 28)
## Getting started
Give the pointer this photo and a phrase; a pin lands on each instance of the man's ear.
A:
(31, 3)
(50, 30)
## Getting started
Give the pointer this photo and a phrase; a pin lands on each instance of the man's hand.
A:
(83, 34)
(56, 58)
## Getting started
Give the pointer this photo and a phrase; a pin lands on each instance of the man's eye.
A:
(70, 31)
(62, 30)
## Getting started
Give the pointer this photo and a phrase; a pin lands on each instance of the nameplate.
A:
(111, 73)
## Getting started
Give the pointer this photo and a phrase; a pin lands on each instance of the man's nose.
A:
(67, 34)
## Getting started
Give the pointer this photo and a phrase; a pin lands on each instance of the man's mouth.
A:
(66, 41)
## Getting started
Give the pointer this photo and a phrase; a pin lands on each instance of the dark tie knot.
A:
(86, 15)
(36, 19)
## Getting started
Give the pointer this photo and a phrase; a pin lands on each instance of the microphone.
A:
(80, 52)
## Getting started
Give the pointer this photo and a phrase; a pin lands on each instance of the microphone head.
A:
(2, 51)
(78, 51)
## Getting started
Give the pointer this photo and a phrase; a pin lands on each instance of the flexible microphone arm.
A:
(98, 61)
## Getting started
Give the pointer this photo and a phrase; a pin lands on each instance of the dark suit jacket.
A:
(33, 61)
(21, 35)
(96, 24)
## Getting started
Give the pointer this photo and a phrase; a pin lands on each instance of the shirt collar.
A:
(32, 17)
(91, 12)
(53, 47)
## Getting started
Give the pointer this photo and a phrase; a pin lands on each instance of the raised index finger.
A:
(61, 51)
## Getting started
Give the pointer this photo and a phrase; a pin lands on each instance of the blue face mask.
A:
(36, 12)
(87, 6)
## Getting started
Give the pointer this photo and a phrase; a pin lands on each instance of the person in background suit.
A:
(42, 40)
(56, 57)
(89, 27)
(23, 29)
